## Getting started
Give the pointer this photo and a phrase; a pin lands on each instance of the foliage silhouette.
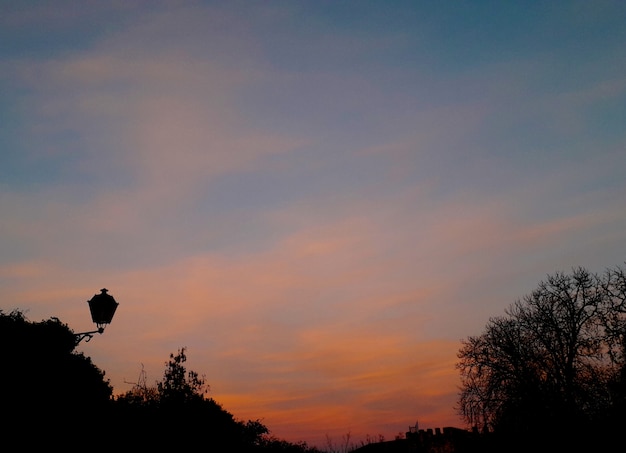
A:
(54, 397)
(46, 387)
(178, 405)
(554, 363)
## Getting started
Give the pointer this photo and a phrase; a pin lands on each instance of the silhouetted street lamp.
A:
(102, 307)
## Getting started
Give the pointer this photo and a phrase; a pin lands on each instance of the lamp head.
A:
(102, 307)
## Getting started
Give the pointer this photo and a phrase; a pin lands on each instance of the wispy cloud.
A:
(317, 208)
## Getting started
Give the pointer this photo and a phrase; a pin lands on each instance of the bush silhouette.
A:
(54, 397)
(176, 414)
(47, 389)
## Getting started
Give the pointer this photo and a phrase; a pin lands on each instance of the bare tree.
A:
(552, 358)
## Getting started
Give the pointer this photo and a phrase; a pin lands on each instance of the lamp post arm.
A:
(78, 337)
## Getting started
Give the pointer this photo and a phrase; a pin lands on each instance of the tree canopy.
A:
(46, 387)
(179, 411)
(52, 396)
(555, 360)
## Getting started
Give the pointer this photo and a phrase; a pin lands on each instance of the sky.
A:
(319, 200)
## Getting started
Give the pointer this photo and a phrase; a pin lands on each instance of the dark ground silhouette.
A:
(53, 397)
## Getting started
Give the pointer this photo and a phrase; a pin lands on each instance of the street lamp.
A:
(102, 307)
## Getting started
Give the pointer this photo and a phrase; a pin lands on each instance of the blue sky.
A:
(318, 199)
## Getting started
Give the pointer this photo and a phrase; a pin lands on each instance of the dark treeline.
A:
(53, 397)
(547, 376)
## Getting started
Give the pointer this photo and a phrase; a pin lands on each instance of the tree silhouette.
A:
(176, 413)
(555, 360)
(180, 386)
(54, 397)
(47, 390)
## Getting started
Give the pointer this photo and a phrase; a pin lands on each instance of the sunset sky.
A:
(318, 199)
